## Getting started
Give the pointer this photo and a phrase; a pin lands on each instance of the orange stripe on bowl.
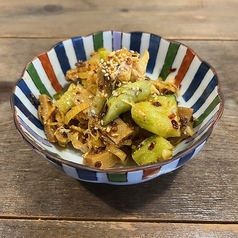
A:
(50, 72)
(184, 66)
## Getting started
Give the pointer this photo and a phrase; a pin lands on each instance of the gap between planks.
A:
(168, 38)
(136, 220)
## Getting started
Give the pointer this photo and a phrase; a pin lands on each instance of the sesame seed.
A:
(119, 84)
(115, 134)
(115, 94)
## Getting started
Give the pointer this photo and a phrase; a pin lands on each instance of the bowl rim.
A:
(135, 168)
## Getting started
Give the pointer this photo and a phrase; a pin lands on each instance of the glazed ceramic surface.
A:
(45, 74)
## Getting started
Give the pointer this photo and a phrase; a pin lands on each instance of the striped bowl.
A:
(45, 74)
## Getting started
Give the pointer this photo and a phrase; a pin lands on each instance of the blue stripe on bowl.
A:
(79, 48)
(62, 57)
(20, 105)
(185, 158)
(135, 41)
(196, 81)
(153, 51)
(87, 175)
(208, 90)
(24, 88)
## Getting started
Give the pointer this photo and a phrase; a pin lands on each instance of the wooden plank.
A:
(207, 19)
(42, 228)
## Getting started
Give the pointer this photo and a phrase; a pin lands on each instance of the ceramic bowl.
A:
(199, 89)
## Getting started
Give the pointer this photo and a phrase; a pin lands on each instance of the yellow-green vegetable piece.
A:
(103, 54)
(66, 100)
(121, 99)
(153, 149)
(159, 116)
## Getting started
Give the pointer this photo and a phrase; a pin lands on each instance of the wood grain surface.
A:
(88, 229)
(198, 200)
(196, 19)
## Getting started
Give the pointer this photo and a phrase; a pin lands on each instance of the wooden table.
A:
(198, 200)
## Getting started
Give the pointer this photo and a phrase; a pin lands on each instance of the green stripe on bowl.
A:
(169, 59)
(36, 79)
(98, 41)
(209, 109)
(119, 177)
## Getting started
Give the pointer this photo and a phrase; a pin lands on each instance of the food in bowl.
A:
(46, 74)
(108, 111)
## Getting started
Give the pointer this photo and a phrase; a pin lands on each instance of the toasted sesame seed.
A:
(115, 94)
(105, 95)
(115, 134)
(108, 129)
(119, 84)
